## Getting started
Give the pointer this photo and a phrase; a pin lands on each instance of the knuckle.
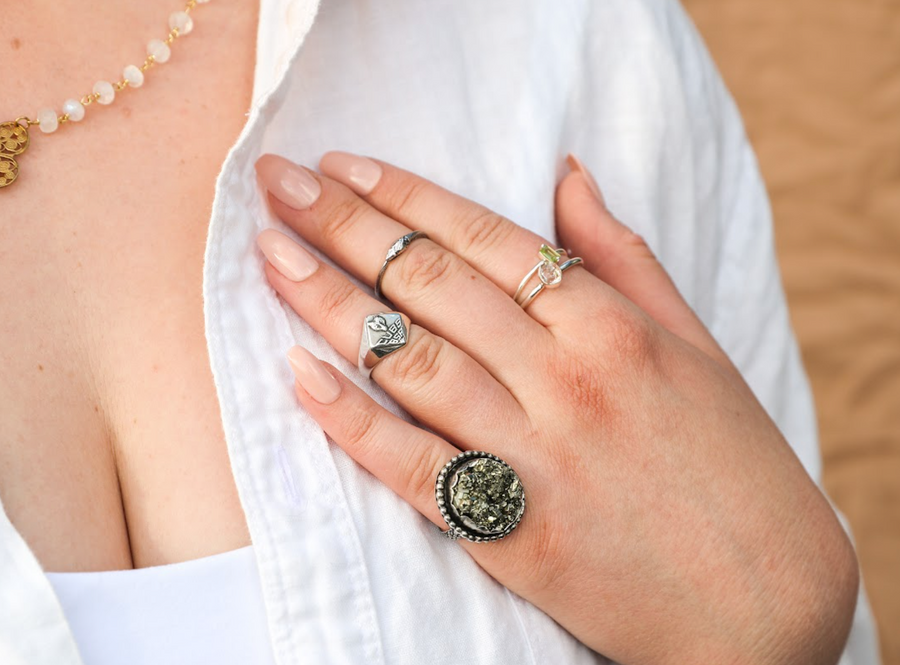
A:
(637, 245)
(421, 471)
(404, 197)
(336, 304)
(359, 428)
(417, 364)
(580, 383)
(486, 231)
(629, 337)
(423, 265)
(341, 217)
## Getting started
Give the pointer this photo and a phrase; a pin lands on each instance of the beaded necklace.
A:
(14, 133)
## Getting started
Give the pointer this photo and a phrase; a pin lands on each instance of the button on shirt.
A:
(486, 98)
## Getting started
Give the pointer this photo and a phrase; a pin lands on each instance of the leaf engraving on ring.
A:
(388, 333)
(377, 323)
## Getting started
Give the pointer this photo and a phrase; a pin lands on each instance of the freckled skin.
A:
(107, 392)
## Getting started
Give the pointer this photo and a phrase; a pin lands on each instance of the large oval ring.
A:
(480, 497)
(393, 252)
(382, 334)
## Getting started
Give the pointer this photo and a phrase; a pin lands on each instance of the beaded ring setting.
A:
(480, 497)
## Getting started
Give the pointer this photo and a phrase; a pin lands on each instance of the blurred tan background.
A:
(818, 83)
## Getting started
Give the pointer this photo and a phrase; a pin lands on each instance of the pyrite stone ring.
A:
(382, 334)
(480, 497)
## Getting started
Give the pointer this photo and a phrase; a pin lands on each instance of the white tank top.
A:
(207, 610)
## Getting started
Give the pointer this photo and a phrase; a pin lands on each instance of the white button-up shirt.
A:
(485, 98)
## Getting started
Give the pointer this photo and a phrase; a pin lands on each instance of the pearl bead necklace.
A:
(14, 134)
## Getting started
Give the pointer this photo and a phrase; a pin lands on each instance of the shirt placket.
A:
(312, 570)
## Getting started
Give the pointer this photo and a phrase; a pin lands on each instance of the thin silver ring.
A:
(382, 334)
(395, 250)
(549, 272)
(574, 261)
(560, 252)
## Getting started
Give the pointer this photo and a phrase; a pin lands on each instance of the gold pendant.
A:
(13, 141)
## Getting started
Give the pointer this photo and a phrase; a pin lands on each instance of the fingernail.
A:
(359, 173)
(312, 376)
(289, 258)
(576, 165)
(287, 182)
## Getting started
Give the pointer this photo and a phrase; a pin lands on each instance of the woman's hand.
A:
(667, 519)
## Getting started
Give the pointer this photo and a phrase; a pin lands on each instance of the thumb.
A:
(621, 258)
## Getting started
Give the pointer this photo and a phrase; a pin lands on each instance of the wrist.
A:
(803, 618)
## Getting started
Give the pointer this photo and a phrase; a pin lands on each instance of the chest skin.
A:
(112, 454)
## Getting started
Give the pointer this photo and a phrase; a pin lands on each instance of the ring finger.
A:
(429, 377)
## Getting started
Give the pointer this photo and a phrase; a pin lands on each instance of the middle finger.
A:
(435, 286)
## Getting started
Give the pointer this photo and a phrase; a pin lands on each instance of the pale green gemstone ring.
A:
(549, 270)
(480, 497)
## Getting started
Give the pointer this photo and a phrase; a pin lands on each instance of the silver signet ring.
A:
(382, 334)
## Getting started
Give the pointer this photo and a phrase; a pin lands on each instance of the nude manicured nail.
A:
(576, 165)
(289, 183)
(289, 258)
(313, 376)
(359, 173)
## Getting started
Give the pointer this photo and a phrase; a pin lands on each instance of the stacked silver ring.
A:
(549, 270)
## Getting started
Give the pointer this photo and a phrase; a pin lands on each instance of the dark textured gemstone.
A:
(488, 493)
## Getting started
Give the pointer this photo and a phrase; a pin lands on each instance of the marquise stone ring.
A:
(480, 497)
(393, 252)
(549, 270)
(382, 334)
